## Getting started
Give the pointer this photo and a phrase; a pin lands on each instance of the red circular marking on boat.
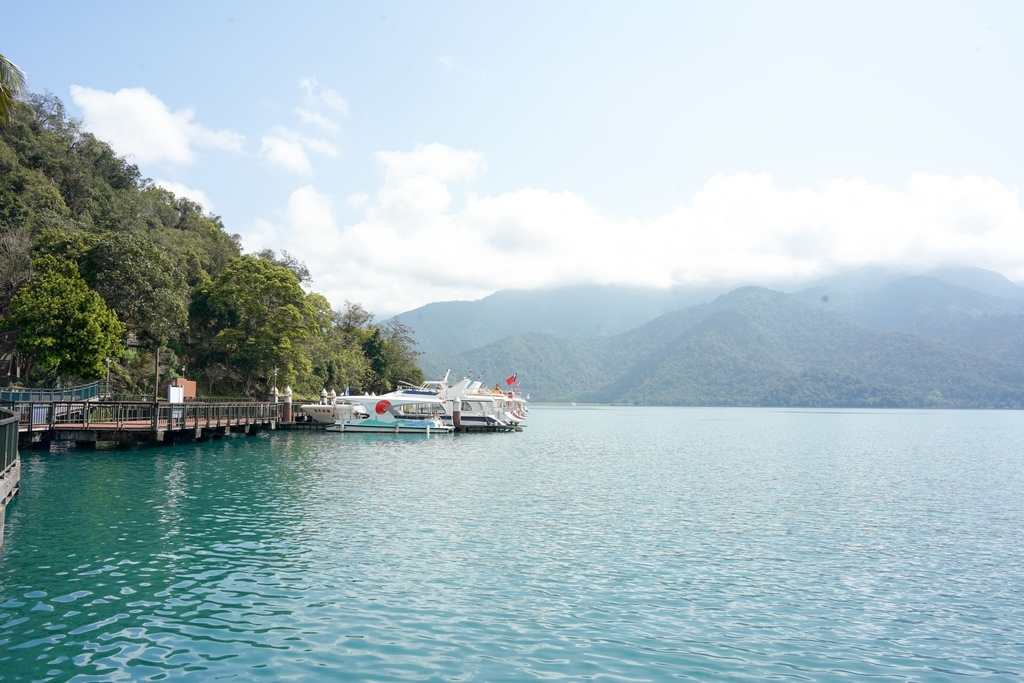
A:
(382, 407)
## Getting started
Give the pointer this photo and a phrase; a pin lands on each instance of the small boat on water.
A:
(471, 406)
(463, 406)
(488, 407)
(388, 414)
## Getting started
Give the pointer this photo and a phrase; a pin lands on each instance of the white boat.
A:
(389, 414)
(471, 409)
(471, 405)
(324, 413)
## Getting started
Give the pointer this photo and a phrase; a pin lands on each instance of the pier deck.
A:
(125, 422)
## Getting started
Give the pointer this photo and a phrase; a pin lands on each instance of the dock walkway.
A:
(133, 422)
(10, 464)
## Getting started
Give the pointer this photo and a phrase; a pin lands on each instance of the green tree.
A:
(64, 245)
(401, 354)
(141, 283)
(13, 84)
(288, 261)
(257, 318)
(389, 352)
(64, 329)
(353, 318)
(15, 264)
(337, 352)
(15, 271)
(375, 349)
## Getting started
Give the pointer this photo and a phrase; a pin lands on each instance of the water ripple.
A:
(698, 545)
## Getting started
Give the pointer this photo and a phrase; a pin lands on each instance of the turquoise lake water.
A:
(612, 544)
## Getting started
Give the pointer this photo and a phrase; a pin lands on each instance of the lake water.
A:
(618, 544)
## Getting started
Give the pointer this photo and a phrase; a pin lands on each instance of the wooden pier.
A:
(10, 464)
(128, 423)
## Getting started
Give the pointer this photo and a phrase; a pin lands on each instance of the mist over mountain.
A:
(910, 341)
(578, 312)
(987, 319)
(588, 311)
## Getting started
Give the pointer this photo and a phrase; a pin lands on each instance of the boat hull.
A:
(401, 427)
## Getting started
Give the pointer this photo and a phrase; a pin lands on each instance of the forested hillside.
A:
(98, 263)
(755, 346)
(579, 312)
(989, 321)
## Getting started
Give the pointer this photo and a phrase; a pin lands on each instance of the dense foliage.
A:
(98, 263)
(65, 328)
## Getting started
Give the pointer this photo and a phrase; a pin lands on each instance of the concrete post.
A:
(273, 399)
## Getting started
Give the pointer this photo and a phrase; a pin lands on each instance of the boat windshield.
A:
(415, 411)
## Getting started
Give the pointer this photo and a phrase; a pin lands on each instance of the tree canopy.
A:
(65, 328)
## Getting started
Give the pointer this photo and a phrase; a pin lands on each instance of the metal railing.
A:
(139, 416)
(8, 441)
(148, 398)
(83, 392)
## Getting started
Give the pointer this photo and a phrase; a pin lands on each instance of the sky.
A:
(412, 152)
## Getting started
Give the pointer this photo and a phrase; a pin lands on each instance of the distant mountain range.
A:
(579, 312)
(951, 338)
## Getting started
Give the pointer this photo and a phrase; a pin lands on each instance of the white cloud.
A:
(317, 119)
(320, 104)
(138, 124)
(357, 200)
(180, 190)
(317, 96)
(262, 235)
(289, 148)
(449, 61)
(319, 145)
(287, 153)
(420, 240)
(436, 161)
(333, 100)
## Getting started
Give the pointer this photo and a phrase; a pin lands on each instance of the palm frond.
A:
(13, 84)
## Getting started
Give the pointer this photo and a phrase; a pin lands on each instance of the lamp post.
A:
(107, 394)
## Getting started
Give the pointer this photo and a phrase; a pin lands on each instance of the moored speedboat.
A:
(325, 413)
(391, 413)
(490, 410)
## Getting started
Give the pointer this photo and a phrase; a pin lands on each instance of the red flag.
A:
(512, 379)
